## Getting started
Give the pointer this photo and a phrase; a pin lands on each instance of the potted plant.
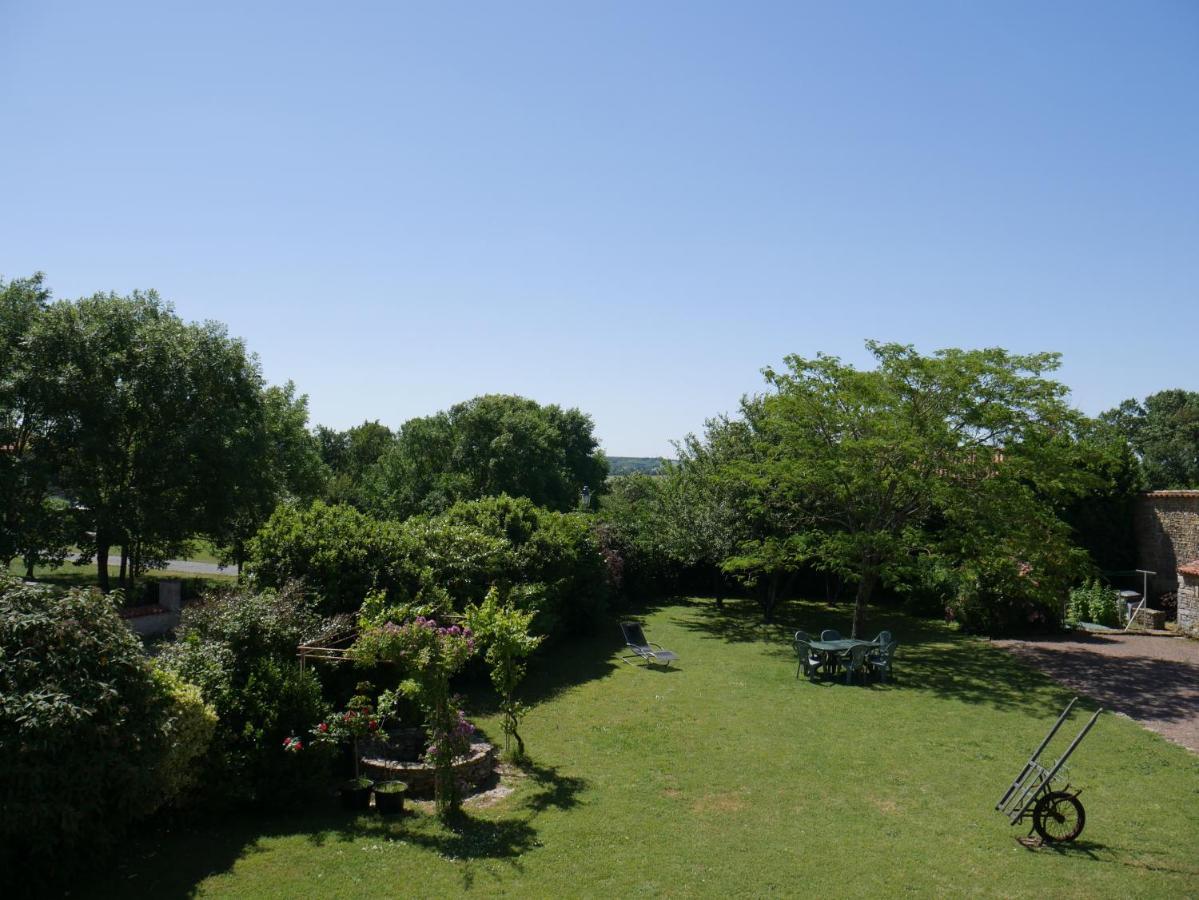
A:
(357, 720)
(389, 797)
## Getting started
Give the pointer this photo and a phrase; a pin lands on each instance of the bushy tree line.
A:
(491, 445)
(962, 479)
(548, 562)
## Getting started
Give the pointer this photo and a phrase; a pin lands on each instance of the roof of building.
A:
(1191, 568)
(1180, 493)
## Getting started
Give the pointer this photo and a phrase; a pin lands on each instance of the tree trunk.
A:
(134, 559)
(718, 588)
(28, 570)
(102, 547)
(865, 589)
(124, 565)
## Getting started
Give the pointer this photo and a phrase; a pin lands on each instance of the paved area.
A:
(188, 567)
(1151, 679)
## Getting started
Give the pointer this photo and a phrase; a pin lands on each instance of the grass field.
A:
(728, 777)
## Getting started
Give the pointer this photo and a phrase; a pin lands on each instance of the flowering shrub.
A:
(430, 654)
(357, 720)
(292, 744)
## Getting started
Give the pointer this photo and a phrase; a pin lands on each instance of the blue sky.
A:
(626, 207)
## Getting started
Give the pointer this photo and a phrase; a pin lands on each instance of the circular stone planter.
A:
(474, 768)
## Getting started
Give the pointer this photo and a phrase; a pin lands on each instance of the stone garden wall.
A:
(1167, 530)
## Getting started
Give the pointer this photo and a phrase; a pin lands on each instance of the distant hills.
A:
(628, 465)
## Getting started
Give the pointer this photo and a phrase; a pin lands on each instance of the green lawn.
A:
(71, 575)
(730, 777)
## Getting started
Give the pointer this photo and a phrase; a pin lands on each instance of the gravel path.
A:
(1151, 679)
(188, 567)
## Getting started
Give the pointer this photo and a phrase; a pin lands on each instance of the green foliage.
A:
(635, 465)
(339, 553)
(503, 631)
(90, 738)
(430, 655)
(1164, 432)
(549, 561)
(491, 445)
(349, 456)
(860, 473)
(239, 647)
(26, 527)
(1097, 603)
(114, 385)
(189, 727)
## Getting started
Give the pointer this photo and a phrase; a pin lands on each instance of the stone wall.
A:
(1188, 598)
(1167, 530)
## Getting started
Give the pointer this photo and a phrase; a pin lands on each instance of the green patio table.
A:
(831, 650)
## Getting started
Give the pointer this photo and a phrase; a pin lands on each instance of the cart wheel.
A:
(1058, 817)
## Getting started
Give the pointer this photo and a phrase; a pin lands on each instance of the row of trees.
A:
(964, 474)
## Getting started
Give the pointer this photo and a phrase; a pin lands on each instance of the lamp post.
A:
(585, 502)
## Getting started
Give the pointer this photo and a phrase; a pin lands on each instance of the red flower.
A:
(323, 727)
(373, 725)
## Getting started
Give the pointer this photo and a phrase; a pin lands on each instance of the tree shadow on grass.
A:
(932, 656)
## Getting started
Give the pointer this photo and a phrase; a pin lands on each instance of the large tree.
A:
(856, 472)
(149, 422)
(487, 446)
(1164, 432)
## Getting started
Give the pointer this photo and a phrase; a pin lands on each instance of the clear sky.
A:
(626, 207)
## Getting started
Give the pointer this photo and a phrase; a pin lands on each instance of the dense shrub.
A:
(91, 739)
(239, 647)
(1002, 596)
(549, 562)
(337, 551)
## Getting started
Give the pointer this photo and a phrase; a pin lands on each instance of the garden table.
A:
(832, 650)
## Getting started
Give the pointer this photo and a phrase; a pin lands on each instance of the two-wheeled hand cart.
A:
(1043, 793)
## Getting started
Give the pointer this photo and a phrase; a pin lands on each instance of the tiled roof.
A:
(1191, 568)
(1186, 493)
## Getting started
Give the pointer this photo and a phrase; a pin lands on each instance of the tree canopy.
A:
(862, 472)
(491, 445)
(1164, 433)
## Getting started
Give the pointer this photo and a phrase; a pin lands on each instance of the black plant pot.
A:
(390, 802)
(356, 795)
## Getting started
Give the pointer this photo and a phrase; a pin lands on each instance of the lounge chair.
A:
(647, 651)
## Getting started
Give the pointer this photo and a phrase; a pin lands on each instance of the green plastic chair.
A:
(809, 661)
(884, 638)
(854, 660)
(880, 660)
(830, 634)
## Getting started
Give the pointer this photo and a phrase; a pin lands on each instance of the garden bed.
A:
(473, 769)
